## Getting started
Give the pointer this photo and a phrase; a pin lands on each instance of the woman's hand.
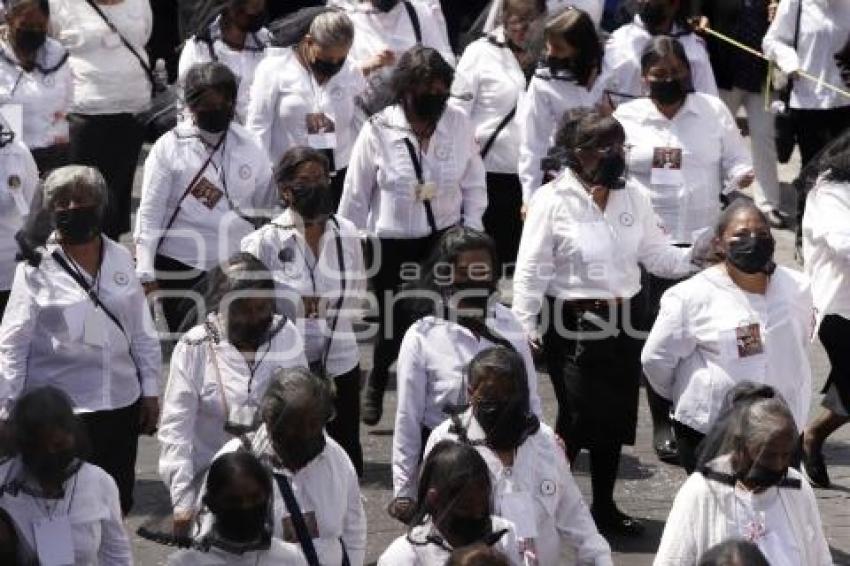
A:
(385, 58)
(181, 524)
(149, 415)
(746, 180)
(402, 509)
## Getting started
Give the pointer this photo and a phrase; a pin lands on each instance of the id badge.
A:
(748, 340)
(321, 131)
(206, 193)
(53, 541)
(94, 328)
(322, 141)
(518, 507)
(289, 534)
(666, 166)
(426, 191)
(241, 419)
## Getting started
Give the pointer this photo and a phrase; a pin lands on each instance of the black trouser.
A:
(164, 41)
(114, 437)
(814, 129)
(172, 275)
(337, 183)
(394, 253)
(4, 300)
(49, 158)
(688, 441)
(833, 333)
(345, 427)
(502, 220)
(110, 142)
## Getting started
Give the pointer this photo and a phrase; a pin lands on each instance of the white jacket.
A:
(18, 184)
(705, 513)
(541, 471)
(279, 554)
(693, 353)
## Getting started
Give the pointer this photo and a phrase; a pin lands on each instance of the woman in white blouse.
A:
(415, 171)
(77, 319)
(686, 150)
(304, 95)
(236, 37)
(826, 249)
(204, 184)
(742, 319)
(110, 85)
(316, 260)
(36, 79)
(565, 82)
(746, 489)
(578, 265)
(219, 373)
(67, 511)
(490, 81)
(532, 485)
(460, 315)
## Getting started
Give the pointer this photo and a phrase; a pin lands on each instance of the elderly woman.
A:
(531, 481)
(741, 319)
(35, 77)
(46, 472)
(317, 262)
(106, 42)
(747, 489)
(235, 37)
(219, 372)
(312, 474)
(415, 171)
(304, 95)
(78, 320)
(204, 182)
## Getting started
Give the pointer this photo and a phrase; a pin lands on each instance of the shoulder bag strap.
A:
(414, 20)
(301, 531)
(417, 166)
(341, 300)
(502, 125)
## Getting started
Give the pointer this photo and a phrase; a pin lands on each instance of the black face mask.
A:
(326, 68)
(751, 254)
(762, 477)
(242, 525)
(297, 455)
(78, 225)
(312, 202)
(668, 92)
(52, 467)
(29, 40)
(609, 171)
(475, 297)
(214, 121)
(466, 530)
(504, 423)
(653, 15)
(430, 107)
(384, 5)
(249, 333)
(556, 64)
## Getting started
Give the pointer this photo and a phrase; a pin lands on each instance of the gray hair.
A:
(332, 28)
(288, 387)
(764, 418)
(77, 182)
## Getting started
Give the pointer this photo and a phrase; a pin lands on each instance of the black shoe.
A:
(814, 470)
(614, 522)
(667, 451)
(777, 219)
(373, 407)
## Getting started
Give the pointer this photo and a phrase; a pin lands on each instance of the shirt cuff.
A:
(150, 387)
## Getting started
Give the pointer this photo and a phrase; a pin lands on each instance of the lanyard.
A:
(417, 167)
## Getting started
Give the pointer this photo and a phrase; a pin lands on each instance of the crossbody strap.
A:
(414, 20)
(417, 167)
(341, 300)
(301, 531)
(502, 125)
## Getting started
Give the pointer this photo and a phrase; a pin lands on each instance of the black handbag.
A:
(786, 137)
(161, 114)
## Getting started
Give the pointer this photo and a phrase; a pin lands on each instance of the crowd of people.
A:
(319, 175)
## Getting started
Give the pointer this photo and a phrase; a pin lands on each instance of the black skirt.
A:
(593, 356)
(834, 334)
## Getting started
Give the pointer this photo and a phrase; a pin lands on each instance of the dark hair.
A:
(477, 555)
(452, 243)
(735, 207)
(659, 48)
(451, 468)
(734, 552)
(204, 77)
(227, 468)
(41, 409)
(576, 28)
(835, 161)
(12, 5)
(584, 128)
(419, 65)
(538, 5)
(295, 383)
(294, 157)
(502, 362)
